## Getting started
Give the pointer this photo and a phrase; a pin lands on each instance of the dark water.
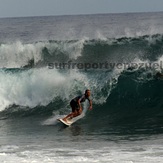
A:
(46, 61)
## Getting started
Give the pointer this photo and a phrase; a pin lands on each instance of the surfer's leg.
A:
(75, 111)
(71, 115)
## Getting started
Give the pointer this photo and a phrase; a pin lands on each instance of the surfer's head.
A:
(87, 92)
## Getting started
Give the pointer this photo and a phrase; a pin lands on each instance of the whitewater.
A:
(47, 61)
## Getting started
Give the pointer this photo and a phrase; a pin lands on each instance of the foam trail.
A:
(52, 120)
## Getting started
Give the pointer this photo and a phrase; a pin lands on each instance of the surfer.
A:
(76, 104)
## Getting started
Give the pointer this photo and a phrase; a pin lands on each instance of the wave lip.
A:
(39, 54)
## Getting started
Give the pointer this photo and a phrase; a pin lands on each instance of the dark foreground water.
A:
(28, 140)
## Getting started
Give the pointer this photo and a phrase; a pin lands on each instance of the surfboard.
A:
(68, 123)
(73, 120)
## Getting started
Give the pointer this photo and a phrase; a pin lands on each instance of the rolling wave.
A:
(119, 93)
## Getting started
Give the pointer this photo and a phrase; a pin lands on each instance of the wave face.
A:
(34, 80)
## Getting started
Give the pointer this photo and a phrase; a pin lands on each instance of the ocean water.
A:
(46, 61)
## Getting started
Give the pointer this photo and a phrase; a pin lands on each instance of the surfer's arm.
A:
(90, 105)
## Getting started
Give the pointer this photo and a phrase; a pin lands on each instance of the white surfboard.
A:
(73, 120)
(68, 123)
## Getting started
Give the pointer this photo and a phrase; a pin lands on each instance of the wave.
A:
(133, 99)
(120, 94)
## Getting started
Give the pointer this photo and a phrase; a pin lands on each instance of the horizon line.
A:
(87, 14)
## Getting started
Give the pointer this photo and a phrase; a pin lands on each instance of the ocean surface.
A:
(47, 61)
